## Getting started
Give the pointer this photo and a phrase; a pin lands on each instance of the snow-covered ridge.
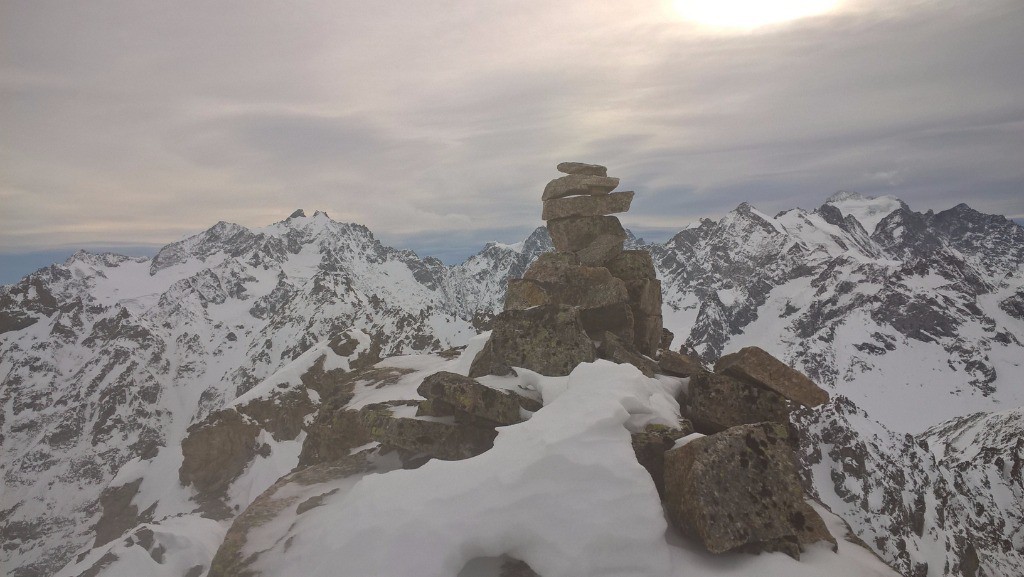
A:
(107, 360)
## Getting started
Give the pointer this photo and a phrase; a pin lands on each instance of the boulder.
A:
(739, 490)
(612, 348)
(467, 395)
(594, 240)
(754, 365)
(445, 441)
(632, 265)
(548, 339)
(587, 205)
(581, 168)
(579, 184)
(650, 447)
(673, 363)
(717, 402)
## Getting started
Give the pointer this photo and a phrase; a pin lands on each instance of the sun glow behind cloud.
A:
(749, 14)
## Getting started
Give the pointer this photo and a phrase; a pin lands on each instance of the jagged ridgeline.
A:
(721, 464)
(302, 399)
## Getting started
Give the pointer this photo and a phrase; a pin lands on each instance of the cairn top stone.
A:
(754, 365)
(587, 205)
(582, 168)
(576, 184)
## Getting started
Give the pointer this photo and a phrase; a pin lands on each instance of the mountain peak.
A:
(844, 195)
(298, 214)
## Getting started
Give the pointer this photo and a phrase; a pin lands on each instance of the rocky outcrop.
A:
(755, 366)
(739, 490)
(217, 450)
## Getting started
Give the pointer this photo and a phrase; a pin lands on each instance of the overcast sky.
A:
(437, 124)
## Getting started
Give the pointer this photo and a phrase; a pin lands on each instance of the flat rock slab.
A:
(445, 441)
(582, 168)
(587, 205)
(549, 340)
(739, 490)
(594, 240)
(754, 365)
(673, 363)
(579, 184)
(715, 403)
(470, 396)
(554, 279)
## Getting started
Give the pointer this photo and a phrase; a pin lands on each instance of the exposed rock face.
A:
(445, 441)
(463, 394)
(546, 339)
(575, 184)
(119, 514)
(755, 366)
(739, 489)
(581, 168)
(717, 402)
(587, 205)
(217, 450)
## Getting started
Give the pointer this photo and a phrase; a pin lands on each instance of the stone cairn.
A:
(590, 298)
(727, 474)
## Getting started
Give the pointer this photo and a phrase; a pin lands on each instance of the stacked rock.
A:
(590, 297)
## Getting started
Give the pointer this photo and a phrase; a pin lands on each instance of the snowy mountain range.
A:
(110, 364)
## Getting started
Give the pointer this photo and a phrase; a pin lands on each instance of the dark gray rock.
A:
(549, 340)
(587, 205)
(754, 365)
(715, 403)
(579, 184)
(467, 395)
(581, 168)
(739, 490)
(667, 337)
(217, 450)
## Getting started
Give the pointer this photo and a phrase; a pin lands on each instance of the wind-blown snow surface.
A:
(107, 360)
